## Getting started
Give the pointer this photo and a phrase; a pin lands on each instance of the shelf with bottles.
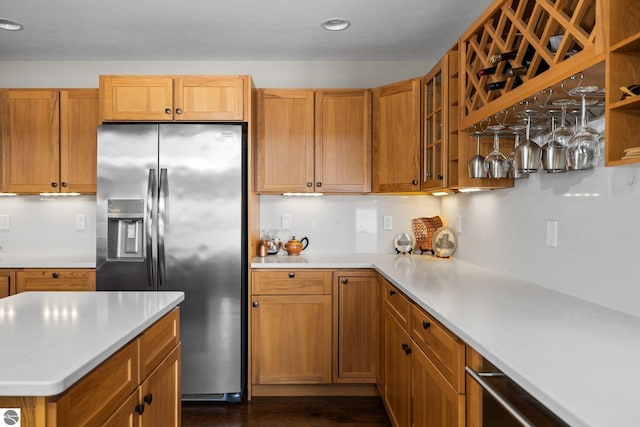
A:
(532, 44)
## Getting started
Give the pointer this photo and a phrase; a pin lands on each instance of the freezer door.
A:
(201, 226)
(125, 205)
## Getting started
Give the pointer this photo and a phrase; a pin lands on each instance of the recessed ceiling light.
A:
(8, 24)
(336, 24)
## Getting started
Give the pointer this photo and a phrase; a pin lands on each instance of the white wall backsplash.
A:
(345, 223)
(598, 214)
(47, 225)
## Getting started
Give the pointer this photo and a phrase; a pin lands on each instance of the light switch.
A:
(81, 222)
(285, 222)
(552, 233)
(4, 222)
(387, 222)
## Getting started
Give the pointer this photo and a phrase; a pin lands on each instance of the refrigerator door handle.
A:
(151, 185)
(162, 223)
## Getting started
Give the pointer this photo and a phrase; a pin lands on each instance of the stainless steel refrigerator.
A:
(171, 215)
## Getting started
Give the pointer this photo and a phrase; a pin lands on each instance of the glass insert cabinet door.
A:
(433, 154)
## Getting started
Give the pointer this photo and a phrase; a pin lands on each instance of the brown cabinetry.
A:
(396, 137)
(173, 98)
(622, 70)
(435, 120)
(120, 393)
(7, 283)
(355, 324)
(49, 140)
(291, 327)
(423, 381)
(55, 280)
(314, 140)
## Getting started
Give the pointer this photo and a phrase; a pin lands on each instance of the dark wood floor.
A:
(288, 411)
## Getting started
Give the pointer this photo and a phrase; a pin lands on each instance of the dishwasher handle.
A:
(515, 413)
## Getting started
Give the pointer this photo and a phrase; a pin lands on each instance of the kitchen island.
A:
(577, 358)
(74, 357)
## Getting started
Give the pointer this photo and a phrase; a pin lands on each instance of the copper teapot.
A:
(295, 246)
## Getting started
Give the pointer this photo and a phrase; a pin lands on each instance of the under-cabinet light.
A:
(441, 193)
(59, 194)
(7, 194)
(303, 194)
(470, 190)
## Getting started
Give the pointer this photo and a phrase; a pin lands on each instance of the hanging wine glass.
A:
(496, 162)
(554, 154)
(528, 153)
(563, 132)
(511, 158)
(583, 148)
(477, 166)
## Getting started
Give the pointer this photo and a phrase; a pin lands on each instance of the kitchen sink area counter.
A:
(577, 358)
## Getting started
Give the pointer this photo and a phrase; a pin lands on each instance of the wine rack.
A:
(540, 35)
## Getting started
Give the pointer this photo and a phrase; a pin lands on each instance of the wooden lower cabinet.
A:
(423, 376)
(160, 394)
(291, 339)
(56, 280)
(355, 327)
(7, 282)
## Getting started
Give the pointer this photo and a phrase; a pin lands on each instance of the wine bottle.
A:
(497, 85)
(487, 71)
(518, 71)
(499, 57)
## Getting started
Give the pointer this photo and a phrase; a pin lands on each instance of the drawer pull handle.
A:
(148, 399)
(55, 275)
(345, 281)
(392, 293)
(139, 409)
(426, 324)
(255, 304)
(292, 274)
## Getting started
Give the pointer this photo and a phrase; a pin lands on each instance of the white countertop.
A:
(52, 339)
(579, 359)
(47, 261)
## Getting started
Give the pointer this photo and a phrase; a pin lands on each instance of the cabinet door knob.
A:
(407, 350)
(54, 184)
(292, 274)
(167, 110)
(255, 304)
(148, 399)
(178, 110)
(392, 293)
(440, 177)
(405, 346)
(345, 280)
(55, 275)
(64, 184)
(139, 409)
(318, 184)
(414, 182)
(426, 324)
(309, 184)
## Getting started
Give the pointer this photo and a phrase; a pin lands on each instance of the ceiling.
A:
(208, 30)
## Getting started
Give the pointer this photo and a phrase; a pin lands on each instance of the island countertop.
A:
(578, 358)
(52, 339)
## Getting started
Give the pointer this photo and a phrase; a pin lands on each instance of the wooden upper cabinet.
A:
(30, 141)
(173, 98)
(285, 140)
(207, 98)
(396, 137)
(314, 140)
(343, 141)
(79, 120)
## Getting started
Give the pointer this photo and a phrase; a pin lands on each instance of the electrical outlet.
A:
(552, 233)
(387, 222)
(285, 222)
(459, 224)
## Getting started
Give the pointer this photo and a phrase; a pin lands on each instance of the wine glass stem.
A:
(584, 112)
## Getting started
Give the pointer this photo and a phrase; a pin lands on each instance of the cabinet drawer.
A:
(443, 349)
(101, 392)
(291, 282)
(398, 304)
(56, 280)
(158, 341)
